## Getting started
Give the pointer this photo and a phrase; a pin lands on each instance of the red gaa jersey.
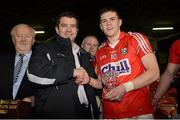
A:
(175, 52)
(122, 64)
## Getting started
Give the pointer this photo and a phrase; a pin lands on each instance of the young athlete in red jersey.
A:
(126, 66)
(119, 64)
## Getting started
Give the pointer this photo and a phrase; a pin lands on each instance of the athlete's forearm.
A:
(95, 83)
(163, 86)
(145, 79)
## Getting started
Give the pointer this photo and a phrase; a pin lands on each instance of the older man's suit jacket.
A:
(6, 79)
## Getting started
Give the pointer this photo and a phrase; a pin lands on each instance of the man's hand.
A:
(116, 94)
(81, 75)
(154, 103)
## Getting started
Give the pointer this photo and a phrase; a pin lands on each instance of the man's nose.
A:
(69, 28)
(23, 38)
(92, 47)
(108, 22)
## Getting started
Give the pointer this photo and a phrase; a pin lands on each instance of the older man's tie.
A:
(18, 68)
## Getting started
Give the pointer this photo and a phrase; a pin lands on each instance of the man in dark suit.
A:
(14, 84)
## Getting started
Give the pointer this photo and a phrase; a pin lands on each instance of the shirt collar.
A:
(26, 54)
(121, 36)
(113, 46)
(75, 47)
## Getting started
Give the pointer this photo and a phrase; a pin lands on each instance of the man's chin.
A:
(23, 50)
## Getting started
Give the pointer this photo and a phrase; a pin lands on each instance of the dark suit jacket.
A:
(6, 79)
(90, 91)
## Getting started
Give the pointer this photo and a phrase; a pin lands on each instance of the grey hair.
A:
(19, 25)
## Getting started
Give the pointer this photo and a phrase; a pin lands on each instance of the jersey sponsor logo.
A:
(122, 67)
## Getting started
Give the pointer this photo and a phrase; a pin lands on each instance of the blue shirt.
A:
(26, 59)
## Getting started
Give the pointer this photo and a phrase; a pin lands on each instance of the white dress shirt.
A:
(81, 92)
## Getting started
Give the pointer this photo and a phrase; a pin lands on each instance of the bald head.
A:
(90, 44)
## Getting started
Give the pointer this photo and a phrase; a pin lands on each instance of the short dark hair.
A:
(66, 14)
(104, 10)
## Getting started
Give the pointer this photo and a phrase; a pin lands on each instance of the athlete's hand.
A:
(116, 94)
(154, 103)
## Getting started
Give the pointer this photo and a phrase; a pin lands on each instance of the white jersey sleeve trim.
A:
(40, 80)
(141, 41)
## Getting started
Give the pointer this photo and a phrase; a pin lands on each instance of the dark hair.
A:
(104, 10)
(67, 14)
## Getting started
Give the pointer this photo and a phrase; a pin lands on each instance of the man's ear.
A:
(120, 22)
(57, 30)
(100, 26)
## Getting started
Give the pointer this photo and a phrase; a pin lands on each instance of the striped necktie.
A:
(18, 68)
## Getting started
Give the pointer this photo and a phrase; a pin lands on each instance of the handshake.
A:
(81, 76)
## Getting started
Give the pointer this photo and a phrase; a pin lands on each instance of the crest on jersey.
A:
(124, 51)
(113, 56)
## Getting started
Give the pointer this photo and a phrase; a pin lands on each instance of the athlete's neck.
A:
(113, 39)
